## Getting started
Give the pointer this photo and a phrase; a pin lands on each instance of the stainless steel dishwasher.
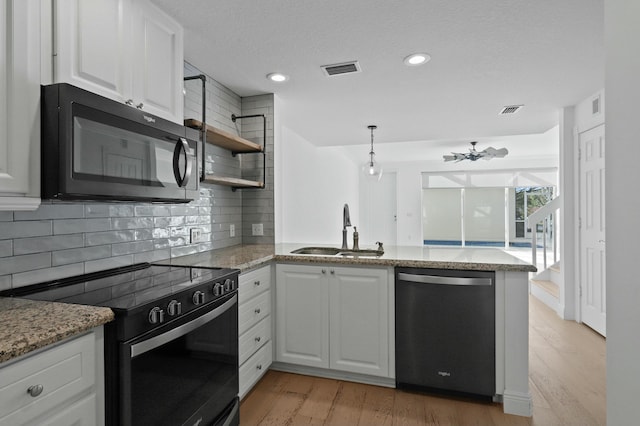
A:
(445, 331)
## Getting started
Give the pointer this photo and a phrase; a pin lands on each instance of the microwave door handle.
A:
(183, 146)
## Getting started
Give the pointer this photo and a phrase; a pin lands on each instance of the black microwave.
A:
(94, 148)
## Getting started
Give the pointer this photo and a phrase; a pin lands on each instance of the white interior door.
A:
(378, 211)
(592, 229)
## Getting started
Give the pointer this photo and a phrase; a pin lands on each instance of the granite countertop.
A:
(28, 325)
(246, 257)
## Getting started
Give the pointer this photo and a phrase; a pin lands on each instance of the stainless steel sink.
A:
(327, 251)
(332, 251)
(362, 253)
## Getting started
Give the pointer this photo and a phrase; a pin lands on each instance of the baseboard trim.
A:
(517, 403)
(546, 298)
(333, 374)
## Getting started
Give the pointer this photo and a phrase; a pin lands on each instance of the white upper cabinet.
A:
(158, 52)
(126, 50)
(20, 104)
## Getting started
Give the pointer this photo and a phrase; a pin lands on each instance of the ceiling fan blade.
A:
(455, 157)
(491, 152)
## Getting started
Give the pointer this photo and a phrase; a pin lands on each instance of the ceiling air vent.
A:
(510, 109)
(340, 69)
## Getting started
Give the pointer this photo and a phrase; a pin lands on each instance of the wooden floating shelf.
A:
(233, 182)
(225, 140)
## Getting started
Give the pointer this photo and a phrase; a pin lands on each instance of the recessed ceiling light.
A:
(417, 59)
(277, 77)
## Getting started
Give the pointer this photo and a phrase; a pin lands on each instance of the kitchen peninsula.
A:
(511, 300)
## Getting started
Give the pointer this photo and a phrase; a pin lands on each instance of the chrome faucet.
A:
(346, 221)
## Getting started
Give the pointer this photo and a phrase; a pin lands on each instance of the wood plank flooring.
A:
(566, 377)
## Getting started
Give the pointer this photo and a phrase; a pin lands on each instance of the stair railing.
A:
(546, 214)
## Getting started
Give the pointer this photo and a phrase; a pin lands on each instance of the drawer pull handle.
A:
(256, 283)
(257, 311)
(35, 390)
(259, 366)
(257, 339)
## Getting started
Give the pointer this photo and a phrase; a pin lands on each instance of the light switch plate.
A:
(232, 230)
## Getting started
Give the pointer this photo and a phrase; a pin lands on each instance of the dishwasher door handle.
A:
(435, 279)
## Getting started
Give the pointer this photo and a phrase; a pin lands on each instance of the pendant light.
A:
(371, 168)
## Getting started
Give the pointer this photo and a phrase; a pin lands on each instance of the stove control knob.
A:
(218, 289)
(233, 284)
(198, 298)
(174, 308)
(156, 315)
(227, 285)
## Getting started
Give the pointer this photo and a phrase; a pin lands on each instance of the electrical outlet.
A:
(195, 235)
(232, 230)
(257, 229)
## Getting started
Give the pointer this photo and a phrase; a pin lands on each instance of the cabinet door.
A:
(359, 320)
(19, 104)
(92, 46)
(158, 62)
(302, 315)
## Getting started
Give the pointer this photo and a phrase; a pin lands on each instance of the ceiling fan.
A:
(474, 155)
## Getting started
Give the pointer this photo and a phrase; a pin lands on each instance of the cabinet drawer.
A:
(81, 413)
(254, 338)
(249, 313)
(253, 283)
(63, 372)
(254, 368)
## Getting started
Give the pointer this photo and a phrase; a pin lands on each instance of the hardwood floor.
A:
(566, 377)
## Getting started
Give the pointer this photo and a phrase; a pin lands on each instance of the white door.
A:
(378, 211)
(92, 46)
(302, 315)
(359, 320)
(158, 62)
(19, 102)
(592, 229)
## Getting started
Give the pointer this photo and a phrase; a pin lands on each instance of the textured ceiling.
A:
(486, 54)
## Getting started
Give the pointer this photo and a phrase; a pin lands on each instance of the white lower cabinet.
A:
(254, 326)
(62, 385)
(333, 317)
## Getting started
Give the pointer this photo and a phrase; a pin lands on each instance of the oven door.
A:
(184, 373)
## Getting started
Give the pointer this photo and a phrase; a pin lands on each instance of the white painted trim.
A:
(517, 403)
(334, 374)
(500, 331)
(19, 203)
(546, 298)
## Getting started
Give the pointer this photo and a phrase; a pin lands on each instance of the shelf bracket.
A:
(203, 130)
(264, 144)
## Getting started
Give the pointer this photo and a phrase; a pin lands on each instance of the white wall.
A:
(622, 42)
(313, 184)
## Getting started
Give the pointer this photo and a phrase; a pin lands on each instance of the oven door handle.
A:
(174, 333)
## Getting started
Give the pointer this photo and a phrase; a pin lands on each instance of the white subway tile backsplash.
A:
(11, 230)
(52, 211)
(5, 282)
(109, 237)
(64, 257)
(108, 263)
(74, 226)
(16, 264)
(6, 248)
(48, 243)
(130, 248)
(6, 216)
(48, 274)
(131, 223)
